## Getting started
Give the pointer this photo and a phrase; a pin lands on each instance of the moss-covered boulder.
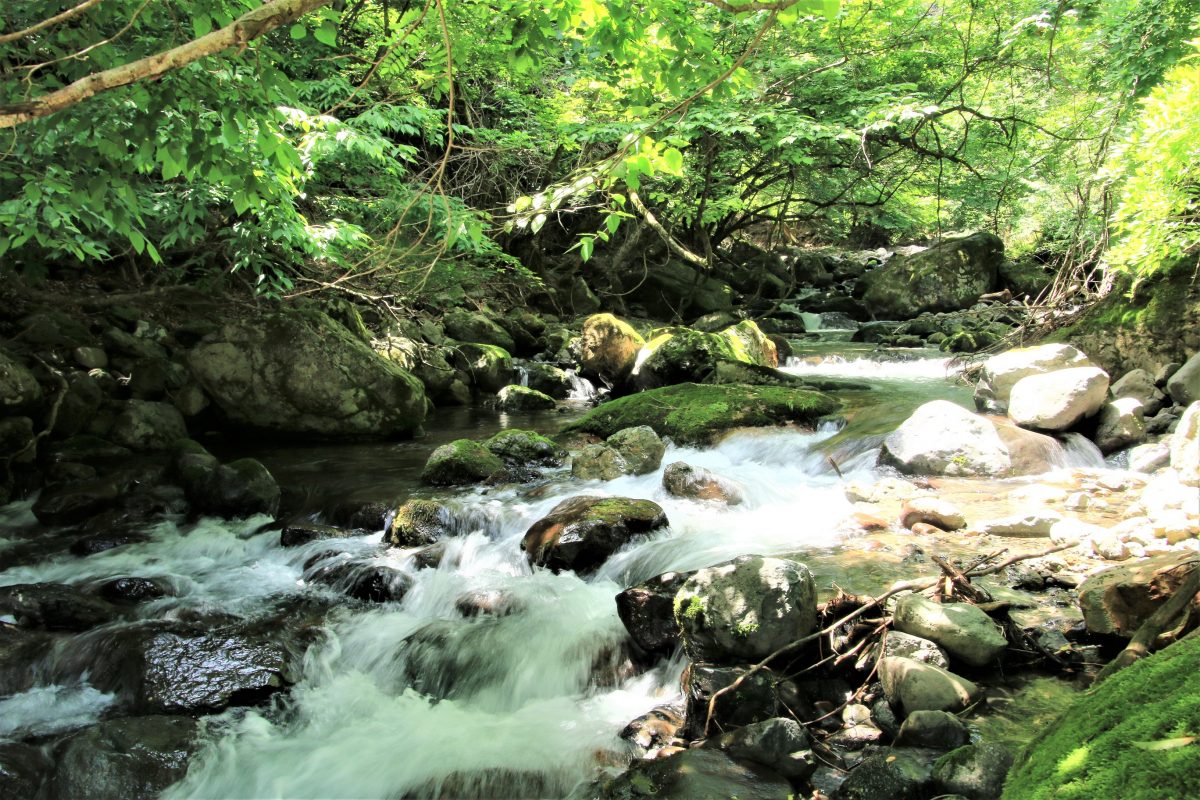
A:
(522, 448)
(1130, 737)
(19, 389)
(947, 277)
(690, 413)
(303, 374)
(675, 288)
(550, 380)
(418, 522)
(521, 398)
(581, 533)
(490, 367)
(460, 462)
(471, 326)
(640, 447)
(683, 355)
(609, 347)
(753, 346)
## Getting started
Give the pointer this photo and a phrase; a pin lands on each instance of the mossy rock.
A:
(471, 326)
(418, 522)
(461, 462)
(517, 447)
(490, 367)
(690, 413)
(1130, 737)
(580, 533)
(521, 398)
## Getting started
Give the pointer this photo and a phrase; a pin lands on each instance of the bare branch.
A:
(5, 38)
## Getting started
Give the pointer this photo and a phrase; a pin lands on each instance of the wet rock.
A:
(914, 686)
(1035, 523)
(134, 758)
(1184, 383)
(85, 447)
(469, 326)
(582, 532)
(609, 348)
(489, 602)
(682, 355)
(933, 511)
(964, 630)
(947, 277)
(1139, 385)
(755, 700)
(490, 367)
(419, 522)
(694, 774)
(19, 389)
(54, 607)
(132, 590)
(361, 580)
(937, 729)
(888, 775)
(235, 490)
(905, 645)
(1120, 424)
(519, 448)
(976, 771)
(462, 461)
(522, 398)
(778, 743)
(21, 654)
(184, 673)
(656, 728)
(648, 612)
(1057, 400)
(598, 462)
(67, 503)
(1185, 447)
(1119, 599)
(941, 438)
(302, 533)
(23, 768)
(745, 609)
(550, 380)
(697, 483)
(301, 373)
(640, 448)
(102, 542)
(145, 425)
(1001, 372)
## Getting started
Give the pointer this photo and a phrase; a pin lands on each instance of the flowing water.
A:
(416, 698)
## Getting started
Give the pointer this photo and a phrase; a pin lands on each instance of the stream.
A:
(416, 699)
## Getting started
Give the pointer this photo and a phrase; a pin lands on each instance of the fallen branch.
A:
(1142, 643)
(672, 242)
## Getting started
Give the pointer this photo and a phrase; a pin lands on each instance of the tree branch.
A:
(5, 38)
(672, 242)
(238, 33)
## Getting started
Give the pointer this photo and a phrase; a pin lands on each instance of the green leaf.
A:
(326, 33)
(585, 248)
(298, 31)
(673, 161)
(202, 24)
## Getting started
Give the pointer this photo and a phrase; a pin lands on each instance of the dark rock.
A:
(132, 590)
(582, 532)
(469, 326)
(490, 367)
(239, 489)
(697, 483)
(936, 729)
(976, 771)
(84, 397)
(946, 277)
(102, 542)
(778, 743)
(889, 775)
(755, 700)
(85, 447)
(521, 449)
(648, 612)
(362, 580)
(301, 533)
(209, 672)
(696, 774)
(144, 425)
(550, 380)
(135, 758)
(54, 607)
(23, 768)
(67, 503)
(19, 388)
(21, 652)
(487, 602)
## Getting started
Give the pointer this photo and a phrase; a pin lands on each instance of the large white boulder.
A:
(1055, 401)
(1001, 372)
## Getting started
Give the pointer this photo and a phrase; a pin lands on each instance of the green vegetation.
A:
(1132, 737)
(692, 413)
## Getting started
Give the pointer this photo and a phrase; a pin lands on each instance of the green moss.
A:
(692, 413)
(1116, 740)
(745, 628)
(693, 608)
(522, 447)
(459, 462)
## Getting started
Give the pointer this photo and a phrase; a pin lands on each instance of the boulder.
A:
(303, 374)
(1150, 457)
(914, 686)
(1055, 401)
(490, 366)
(550, 380)
(22, 769)
(648, 612)
(236, 490)
(133, 758)
(1001, 372)
(609, 348)
(360, 578)
(888, 775)
(698, 414)
(133, 590)
(598, 462)
(964, 630)
(522, 449)
(419, 522)
(145, 425)
(676, 288)
(1119, 599)
(905, 645)
(522, 398)
(1184, 383)
(19, 389)
(208, 672)
(301, 533)
(976, 771)
(778, 743)
(947, 277)
(640, 447)
(932, 511)
(67, 503)
(54, 607)
(683, 355)
(751, 344)
(756, 698)
(1185, 447)
(471, 326)
(1120, 425)
(941, 438)
(460, 462)
(1139, 385)
(697, 483)
(937, 729)
(745, 609)
(695, 774)
(582, 532)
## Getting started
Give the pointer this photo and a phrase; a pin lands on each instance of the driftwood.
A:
(1143, 642)
(917, 585)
